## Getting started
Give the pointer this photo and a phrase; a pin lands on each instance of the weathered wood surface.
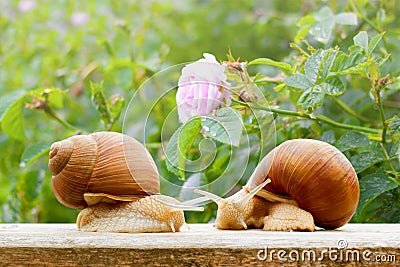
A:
(63, 245)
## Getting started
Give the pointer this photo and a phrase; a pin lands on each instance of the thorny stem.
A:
(298, 48)
(377, 88)
(317, 117)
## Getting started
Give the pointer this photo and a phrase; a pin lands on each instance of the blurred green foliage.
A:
(67, 67)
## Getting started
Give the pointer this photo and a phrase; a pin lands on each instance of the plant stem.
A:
(298, 48)
(388, 159)
(383, 117)
(52, 114)
(377, 88)
(320, 118)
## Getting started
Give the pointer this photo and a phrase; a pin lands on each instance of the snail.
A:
(299, 184)
(114, 180)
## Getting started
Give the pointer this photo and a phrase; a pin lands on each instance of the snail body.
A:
(245, 210)
(149, 214)
(114, 180)
(300, 183)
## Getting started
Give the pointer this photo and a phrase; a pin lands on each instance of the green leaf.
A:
(311, 99)
(55, 97)
(24, 198)
(302, 33)
(11, 115)
(30, 186)
(394, 86)
(186, 139)
(394, 125)
(218, 166)
(394, 128)
(345, 62)
(346, 18)
(323, 13)
(180, 144)
(395, 151)
(172, 154)
(328, 137)
(374, 42)
(306, 20)
(371, 186)
(313, 64)
(34, 151)
(333, 86)
(9, 99)
(100, 102)
(298, 81)
(226, 127)
(382, 60)
(373, 70)
(116, 105)
(352, 140)
(322, 30)
(327, 63)
(361, 40)
(366, 159)
(264, 126)
(285, 67)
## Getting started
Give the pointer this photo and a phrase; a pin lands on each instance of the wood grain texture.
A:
(64, 245)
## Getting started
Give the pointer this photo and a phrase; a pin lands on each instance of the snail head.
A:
(230, 214)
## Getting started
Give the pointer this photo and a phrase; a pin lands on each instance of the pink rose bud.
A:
(202, 88)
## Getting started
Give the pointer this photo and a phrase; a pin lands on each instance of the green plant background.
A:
(67, 67)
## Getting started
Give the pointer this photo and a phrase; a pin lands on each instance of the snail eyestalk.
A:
(184, 208)
(180, 206)
(210, 196)
(195, 201)
(243, 202)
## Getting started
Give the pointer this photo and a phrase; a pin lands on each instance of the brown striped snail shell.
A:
(101, 167)
(310, 174)
(317, 176)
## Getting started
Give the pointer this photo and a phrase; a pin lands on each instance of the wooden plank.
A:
(63, 245)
